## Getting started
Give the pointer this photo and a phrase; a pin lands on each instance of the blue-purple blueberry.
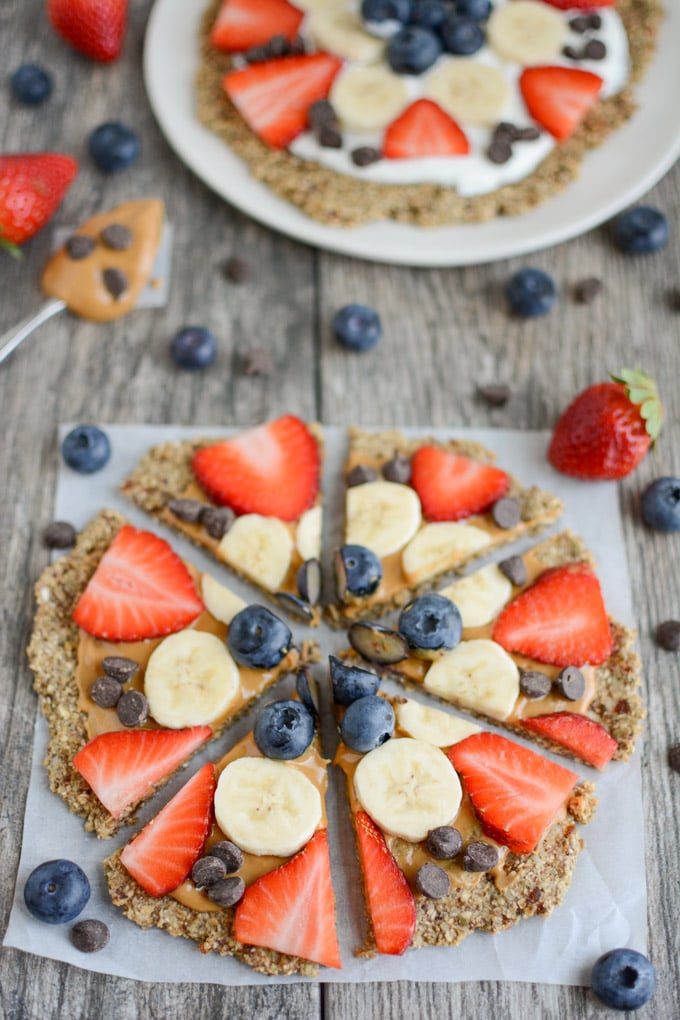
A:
(31, 85)
(641, 230)
(623, 979)
(367, 723)
(113, 146)
(284, 730)
(257, 638)
(351, 682)
(531, 292)
(660, 504)
(86, 449)
(56, 891)
(193, 347)
(357, 327)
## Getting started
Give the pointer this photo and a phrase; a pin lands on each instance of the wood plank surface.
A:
(445, 332)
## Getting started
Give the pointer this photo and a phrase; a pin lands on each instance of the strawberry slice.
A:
(561, 619)
(424, 129)
(576, 733)
(31, 187)
(585, 5)
(559, 97)
(515, 792)
(452, 487)
(391, 906)
(141, 589)
(94, 27)
(274, 96)
(292, 909)
(122, 767)
(271, 470)
(241, 24)
(164, 852)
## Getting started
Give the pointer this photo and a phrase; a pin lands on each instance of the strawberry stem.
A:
(642, 391)
(11, 249)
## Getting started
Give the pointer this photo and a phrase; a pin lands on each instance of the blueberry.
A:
(623, 979)
(357, 327)
(351, 682)
(367, 723)
(377, 11)
(478, 10)
(641, 230)
(531, 292)
(462, 36)
(56, 891)
(660, 504)
(431, 622)
(31, 85)
(284, 729)
(113, 146)
(258, 638)
(358, 571)
(428, 14)
(86, 449)
(413, 50)
(193, 347)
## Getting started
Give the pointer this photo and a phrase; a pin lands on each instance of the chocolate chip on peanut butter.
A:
(228, 892)
(230, 854)
(571, 683)
(119, 667)
(79, 247)
(444, 842)
(398, 469)
(217, 520)
(506, 512)
(514, 569)
(187, 510)
(480, 856)
(106, 692)
(432, 881)
(117, 237)
(133, 709)
(208, 870)
(115, 281)
(534, 684)
(360, 474)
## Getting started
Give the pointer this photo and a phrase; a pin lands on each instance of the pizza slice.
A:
(252, 500)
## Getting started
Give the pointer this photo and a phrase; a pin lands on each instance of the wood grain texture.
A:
(445, 332)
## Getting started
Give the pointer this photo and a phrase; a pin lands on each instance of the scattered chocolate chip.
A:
(309, 581)
(90, 936)
(572, 53)
(504, 131)
(360, 474)
(480, 856)
(398, 469)
(256, 54)
(228, 892)
(119, 667)
(217, 520)
(278, 46)
(364, 155)
(115, 281)
(133, 709)
(506, 512)
(674, 300)
(571, 683)
(595, 49)
(117, 237)
(674, 757)
(494, 394)
(228, 853)
(329, 137)
(668, 635)
(444, 842)
(527, 134)
(432, 881)
(579, 24)
(237, 269)
(499, 151)
(187, 510)
(514, 569)
(534, 684)
(106, 692)
(79, 247)
(258, 362)
(594, 22)
(59, 535)
(292, 604)
(321, 114)
(585, 291)
(208, 870)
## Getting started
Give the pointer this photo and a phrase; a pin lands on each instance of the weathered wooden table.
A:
(445, 332)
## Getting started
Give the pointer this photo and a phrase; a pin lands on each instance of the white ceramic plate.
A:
(613, 176)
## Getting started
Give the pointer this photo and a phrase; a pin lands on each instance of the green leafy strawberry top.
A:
(642, 390)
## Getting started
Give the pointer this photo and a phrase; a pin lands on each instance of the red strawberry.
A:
(561, 619)
(123, 766)
(273, 97)
(559, 97)
(515, 792)
(94, 27)
(451, 487)
(606, 430)
(391, 906)
(576, 733)
(424, 129)
(292, 909)
(164, 852)
(272, 469)
(141, 589)
(588, 5)
(241, 24)
(31, 188)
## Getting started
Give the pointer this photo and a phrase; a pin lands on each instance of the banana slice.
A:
(220, 602)
(321, 5)
(469, 91)
(408, 787)
(341, 32)
(190, 679)
(259, 547)
(308, 534)
(438, 547)
(480, 596)
(266, 806)
(383, 516)
(368, 98)
(526, 32)
(479, 675)
(431, 724)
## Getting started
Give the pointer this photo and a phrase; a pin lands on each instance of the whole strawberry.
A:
(94, 27)
(606, 431)
(31, 187)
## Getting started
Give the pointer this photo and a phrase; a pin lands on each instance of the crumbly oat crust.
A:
(342, 201)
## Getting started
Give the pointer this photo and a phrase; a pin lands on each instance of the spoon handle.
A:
(10, 340)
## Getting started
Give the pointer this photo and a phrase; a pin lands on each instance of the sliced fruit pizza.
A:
(253, 500)
(139, 660)
(238, 860)
(528, 644)
(419, 509)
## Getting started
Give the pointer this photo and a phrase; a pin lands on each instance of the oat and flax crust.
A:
(343, 201)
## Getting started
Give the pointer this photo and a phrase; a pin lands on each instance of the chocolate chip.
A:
(321, 114)
(504, 132)
(579, 24)
(527, 134)
(106, 692)
(594, 22)
(534, 684)
(228, 853)
(278, 46)
(79, 247)
(237, 269)
(329, 137)
(90, 936)
(217, 520)
(444, 842)
(208, 870)
(228, 892)
(133, 709)
(571, 683)
(360, 474)
(480, 856)
(674, 300)
(297, 47)
(119, 667)
(398, 469)
(668, 635)
(506, 512)
(674, 757)
(572, 53)
(432, 881)
(115, 281)
(59, 535)
(494, 394)
(364, 155)
(256, 54)
(514, 569)
(585, 291)
(499, 151)
(258, 362)
(116, 237)
(595, 49)
(187, 510)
